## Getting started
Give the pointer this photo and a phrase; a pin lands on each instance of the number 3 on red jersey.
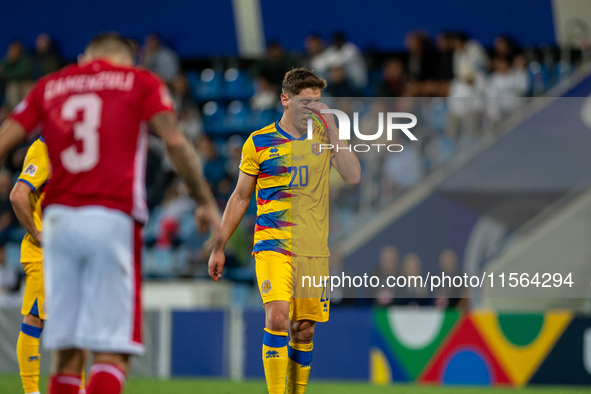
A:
(85, 131)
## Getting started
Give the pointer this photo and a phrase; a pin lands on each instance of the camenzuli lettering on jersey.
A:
(106, 80)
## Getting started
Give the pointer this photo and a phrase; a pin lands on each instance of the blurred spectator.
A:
(181, 93)
(446, 295)
(314, 46)
(402, 169)
(214, 164)
(344, 54)
(238, 247)
(17, 72)
(46, 59)
(275, 65)
(338, 85)
(176, 207)
(393, 79)
(7, 219)
(422, 64)
(521, 75)
(190, 121)
(160, 59)
(466, 103)
(234, 149)
(445, 63)
(412, 293)
(265, 96)
(504, 89)
(436, 150)
(504, 46)
(159, 172)
(9, 281)
(388, 266)
(469, 56)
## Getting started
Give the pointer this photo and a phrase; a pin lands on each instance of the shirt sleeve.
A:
(29, 111)
(157, 97)
(36, 168)
(249, 162)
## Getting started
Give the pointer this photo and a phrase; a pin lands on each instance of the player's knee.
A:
(277, 319)
(70, 361)
(121, 361)
(277, 322)
(33, 320)
(302, 331)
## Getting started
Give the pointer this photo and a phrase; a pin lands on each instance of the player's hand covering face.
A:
(327, 120)
(299, 107)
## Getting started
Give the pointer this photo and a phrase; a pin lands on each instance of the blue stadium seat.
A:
(209, 86)
(237, 117)
(563, 70)
(193, 78)
(213, 117)
(539, 78)
(238, 84)
(13, 254)
(373, 80)
(260, 119)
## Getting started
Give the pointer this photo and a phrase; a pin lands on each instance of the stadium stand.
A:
(228, 98)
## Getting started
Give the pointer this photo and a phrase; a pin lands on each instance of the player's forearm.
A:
(11, 134)
(24, 213)
(233, 214)
(187, 164)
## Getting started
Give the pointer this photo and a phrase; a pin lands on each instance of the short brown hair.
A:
(110, 42)
(299, 79)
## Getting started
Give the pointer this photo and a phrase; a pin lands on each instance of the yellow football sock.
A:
(275, 360)
(27, 351)
(298, 368)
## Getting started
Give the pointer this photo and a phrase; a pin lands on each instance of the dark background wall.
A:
(200, 28)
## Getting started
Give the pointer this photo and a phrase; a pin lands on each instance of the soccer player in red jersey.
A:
(95, 118)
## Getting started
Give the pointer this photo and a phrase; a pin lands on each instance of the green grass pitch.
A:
(11, 384)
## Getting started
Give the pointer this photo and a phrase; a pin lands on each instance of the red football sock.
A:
(105, 379)
(64, 384)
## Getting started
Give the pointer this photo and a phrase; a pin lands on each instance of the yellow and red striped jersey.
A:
(291, 190)
(36, 174)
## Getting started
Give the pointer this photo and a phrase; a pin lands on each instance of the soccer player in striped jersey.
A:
(291, 175)
(26, 197)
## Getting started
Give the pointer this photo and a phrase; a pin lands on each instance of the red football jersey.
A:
(94, 120)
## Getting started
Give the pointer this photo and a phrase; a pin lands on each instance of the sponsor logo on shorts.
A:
(33, 358)
(272, 354)
(30, 170)
(266, 286)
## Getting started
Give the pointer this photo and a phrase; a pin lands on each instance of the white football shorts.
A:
(93, 279)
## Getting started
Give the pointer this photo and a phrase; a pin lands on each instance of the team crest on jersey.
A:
(316, 148)
(266, 286)
(30, 170)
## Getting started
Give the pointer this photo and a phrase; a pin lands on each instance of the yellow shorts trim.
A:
(34, 300)
(279, 279)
